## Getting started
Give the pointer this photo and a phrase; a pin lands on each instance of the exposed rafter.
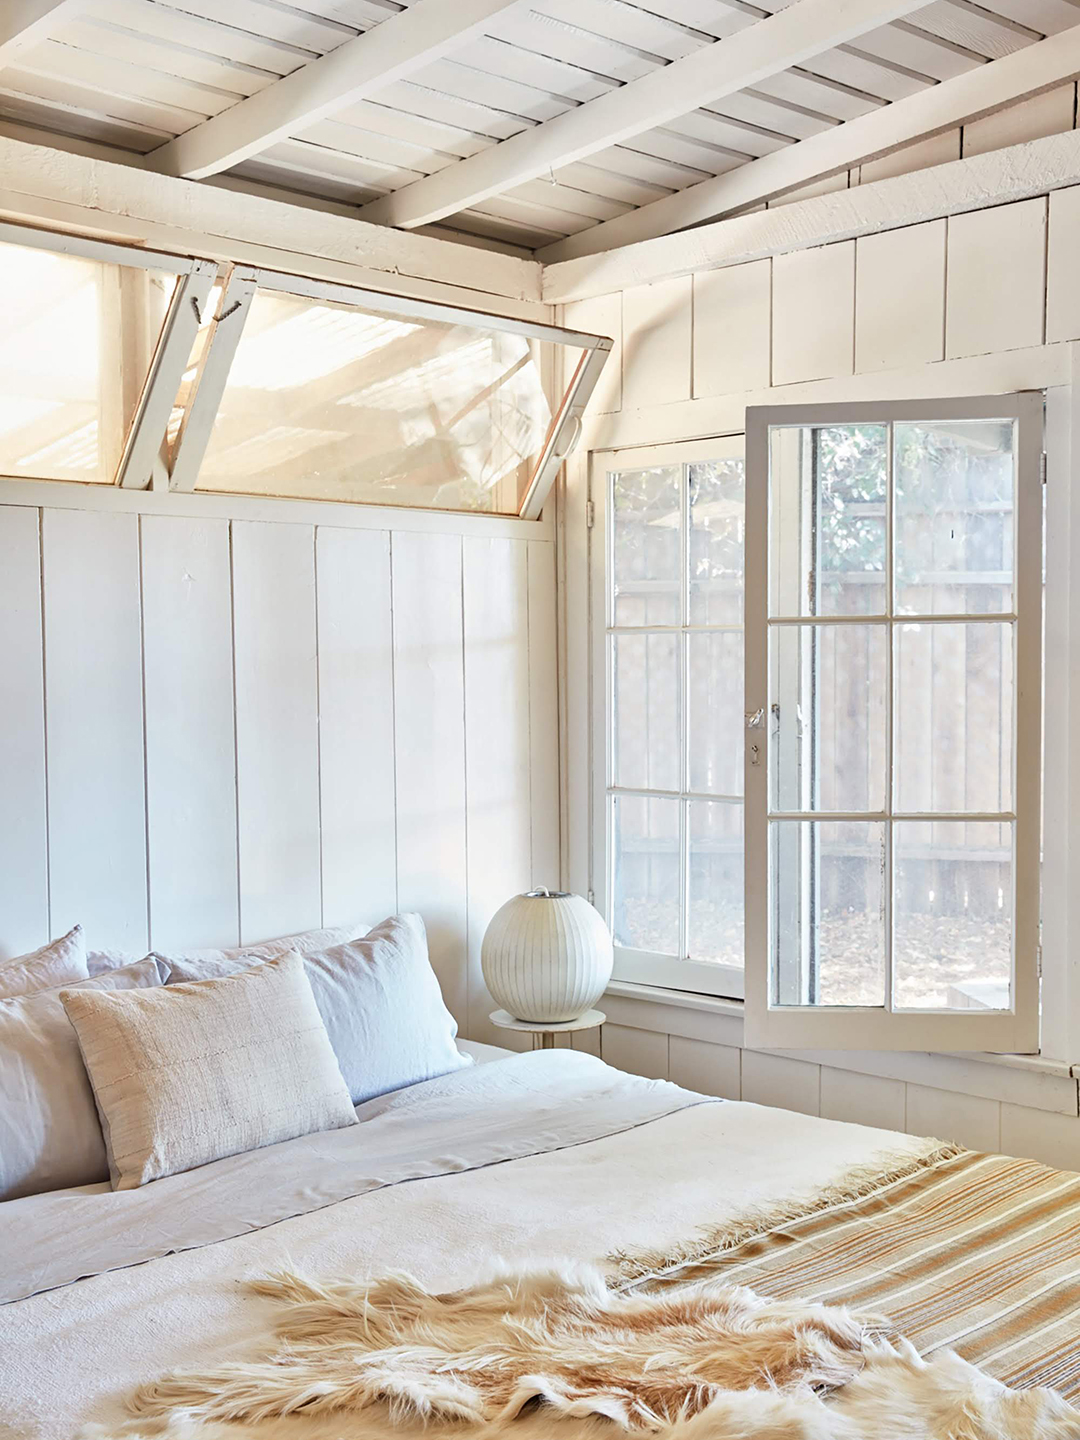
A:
(395, 48)
(941, 107)
(802, 30)
(24, 23)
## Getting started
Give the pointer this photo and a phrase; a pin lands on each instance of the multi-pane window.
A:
(675, 656)
(879, 750)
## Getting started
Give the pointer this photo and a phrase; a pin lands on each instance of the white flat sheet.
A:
(71, 1354)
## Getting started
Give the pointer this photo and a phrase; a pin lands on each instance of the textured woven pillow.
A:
(61, 962)
(211, 964)
(193, 1072)
(50, 1136)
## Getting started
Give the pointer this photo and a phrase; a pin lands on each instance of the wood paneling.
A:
(862, 1099)
(94, 718)
(24, 846)
(1063, 273)
(813, 313)
(356, 725)
(968, 1119)
(731, 328)
(190, 733)
(497, 703)
(1041, 1135)
(429, 728)
(1047, 114)
(996, 279)
(711, 1069)
(277, 727)
(601, 315)
(900, 297)
(777, 1080)
(639, 1052)
(656, 343)
(543, 715)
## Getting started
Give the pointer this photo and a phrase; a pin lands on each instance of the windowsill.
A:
(733, 1010)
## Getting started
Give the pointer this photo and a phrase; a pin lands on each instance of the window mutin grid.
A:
(797, 1023)
(722, 975)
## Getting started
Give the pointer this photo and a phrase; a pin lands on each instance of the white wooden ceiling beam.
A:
(795, 34)
(939, 107)
(25, 23)
(999, 177)
(391, 50)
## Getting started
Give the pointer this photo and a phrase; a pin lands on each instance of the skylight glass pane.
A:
(331, 402)
(76, 344)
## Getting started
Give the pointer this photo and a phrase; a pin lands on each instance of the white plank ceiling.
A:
(134, 74)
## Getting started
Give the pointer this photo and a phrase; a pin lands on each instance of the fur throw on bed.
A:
(561, 1355)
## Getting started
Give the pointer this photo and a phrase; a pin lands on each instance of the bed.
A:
(514, 1157)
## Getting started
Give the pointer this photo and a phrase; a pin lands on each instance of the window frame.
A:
(635, 966)
(244, 282)
(863, 1028)
(139, 465)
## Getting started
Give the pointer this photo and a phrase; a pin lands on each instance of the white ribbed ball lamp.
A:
(546, 956)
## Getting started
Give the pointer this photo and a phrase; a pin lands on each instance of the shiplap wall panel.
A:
(1063, 272)
(937, 150)
(900, 298)
(862, 1100)
(495, 579)
(1041, 1135)
(601, 315)
(640, 1052)
(969, 1120)
(429, 728)
(190, 732)
(656, 343)
(1050, 113)
(813, 313)
(710, 1069)
(277, 728)
(777, 1080)
(94, 727)
(356, 725)
(996, 279)
(732, 343)
(24, 846)
(543, 715)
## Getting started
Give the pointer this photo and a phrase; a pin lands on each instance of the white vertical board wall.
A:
(277, 727)
(24, 849)
(245, 728)
(190, 732)
(94, 726)
(429, 727)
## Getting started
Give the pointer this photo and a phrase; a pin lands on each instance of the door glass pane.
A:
(717, 529)
(954, 512)
(827, 712)
(827, 912)
(328, 401)
(715, 671)
(646, 549)
(715, 914)
(954, 717)
(646, 730)
(827, 522)
(952, 915)
(76, 343)
(646, 853)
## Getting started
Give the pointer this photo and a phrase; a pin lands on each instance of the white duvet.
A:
(550, 1156)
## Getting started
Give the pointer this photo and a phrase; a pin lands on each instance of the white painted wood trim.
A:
(68, 495)
(25, 23)
(997, 178)
(975, 93)
(398, 47)
(112, 200)
(745, 58)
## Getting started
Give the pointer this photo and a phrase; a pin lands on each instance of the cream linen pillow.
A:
(193, 1072)
(61, 962)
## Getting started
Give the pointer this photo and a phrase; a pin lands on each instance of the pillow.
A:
(100, 962)
(211, 964)
(50, 1137)
(190, 1073)
(383, 1010)
(61, 962)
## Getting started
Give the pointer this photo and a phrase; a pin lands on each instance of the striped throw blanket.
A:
(970, 1252)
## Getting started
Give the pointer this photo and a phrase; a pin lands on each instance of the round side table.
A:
(543, 1033)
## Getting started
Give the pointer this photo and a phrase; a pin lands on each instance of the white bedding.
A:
(548, 1156)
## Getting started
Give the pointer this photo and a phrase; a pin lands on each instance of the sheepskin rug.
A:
(559, 1355)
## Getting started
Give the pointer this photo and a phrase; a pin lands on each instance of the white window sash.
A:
(823, 1027)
